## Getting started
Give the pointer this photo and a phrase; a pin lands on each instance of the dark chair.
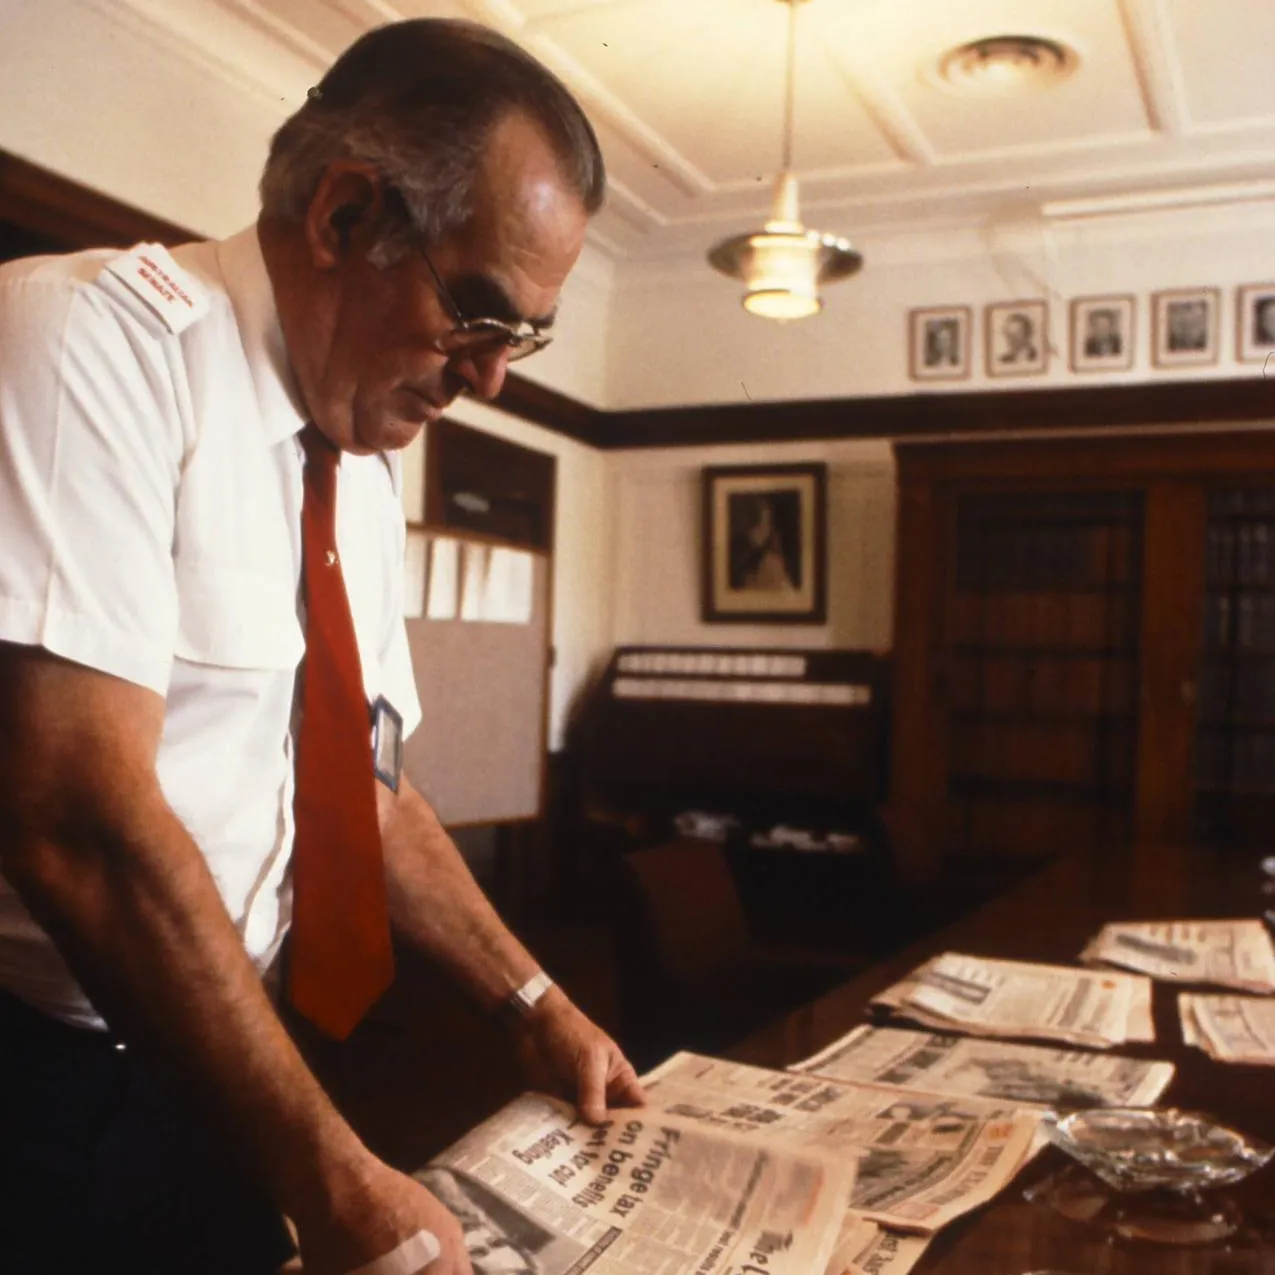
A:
(689, 973)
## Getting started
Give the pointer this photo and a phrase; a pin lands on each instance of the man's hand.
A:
(371, 1218)
(563, 1052)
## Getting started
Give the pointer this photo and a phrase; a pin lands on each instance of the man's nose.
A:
(484, 372)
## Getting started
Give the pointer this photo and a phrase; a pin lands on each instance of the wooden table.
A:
(1049, 917)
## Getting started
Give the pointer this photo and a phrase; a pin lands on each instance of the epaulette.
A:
(153, 288)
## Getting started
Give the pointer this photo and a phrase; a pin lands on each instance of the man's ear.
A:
(342, 219)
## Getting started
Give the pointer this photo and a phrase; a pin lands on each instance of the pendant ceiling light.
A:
(783, 264)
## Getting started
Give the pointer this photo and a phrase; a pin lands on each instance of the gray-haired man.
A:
(420, 214)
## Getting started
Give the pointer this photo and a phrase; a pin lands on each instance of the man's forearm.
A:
(436, 904)
(136, 914)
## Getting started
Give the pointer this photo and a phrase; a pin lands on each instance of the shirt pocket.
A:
(235, 617)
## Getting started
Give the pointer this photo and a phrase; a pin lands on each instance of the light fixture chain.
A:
(790, 83)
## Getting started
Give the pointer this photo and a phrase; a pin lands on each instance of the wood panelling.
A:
(1049, 656)
(65, 213)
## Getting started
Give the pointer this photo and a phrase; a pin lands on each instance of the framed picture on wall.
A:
(1184, 327)
(765, 544)
(939, 343)
(1255, 322)
(1102, 334)
(1016, 338)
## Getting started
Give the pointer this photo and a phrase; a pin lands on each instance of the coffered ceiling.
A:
(1171, 105)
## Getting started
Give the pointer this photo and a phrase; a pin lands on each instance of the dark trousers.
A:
(101, 1171)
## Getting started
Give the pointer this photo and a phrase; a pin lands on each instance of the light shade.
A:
(784, 264)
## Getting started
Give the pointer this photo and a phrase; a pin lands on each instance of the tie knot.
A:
(318, 451)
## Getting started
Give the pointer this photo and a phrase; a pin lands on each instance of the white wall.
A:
(657, 537)
(684, 337)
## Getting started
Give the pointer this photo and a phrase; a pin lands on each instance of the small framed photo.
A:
(1102, 334)
(765, 544)
(939, 343)
(1016, 338)
(1184, 327)
(1255, 322)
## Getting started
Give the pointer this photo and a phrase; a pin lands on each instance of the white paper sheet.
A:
(507, 598)
(415, 572)
(444, 577)
(473, 581)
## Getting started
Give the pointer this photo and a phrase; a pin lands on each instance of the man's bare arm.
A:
(108, 870)
(438, 906)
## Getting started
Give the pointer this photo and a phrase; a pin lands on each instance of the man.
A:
(174, 429)
(942, 344)
(1019, 335)
(1103, 339)
(1188, 326)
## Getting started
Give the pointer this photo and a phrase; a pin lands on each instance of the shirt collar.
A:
(247, 282)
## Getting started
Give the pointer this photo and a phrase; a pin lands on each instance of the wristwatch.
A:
(522, 1000)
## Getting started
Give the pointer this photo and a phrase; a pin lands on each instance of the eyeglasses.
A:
(482, 336)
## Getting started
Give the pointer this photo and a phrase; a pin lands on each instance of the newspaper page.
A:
(1237, 1029)
(1235, 953)
(923, 1159)
(1030, 1075)
(991, 997)
(864, 1248)
(538, 1191)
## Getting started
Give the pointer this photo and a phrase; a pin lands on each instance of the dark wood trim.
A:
(982, 412)
(38, 200)
(557, 412)
(1114, 459)
(42, 202)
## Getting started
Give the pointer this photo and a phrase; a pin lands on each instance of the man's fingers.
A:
(626, 1089)
(592, 1086)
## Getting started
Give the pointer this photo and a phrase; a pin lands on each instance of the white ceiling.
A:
(1172, 104)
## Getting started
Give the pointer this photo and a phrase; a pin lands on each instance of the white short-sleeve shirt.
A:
(150, 506)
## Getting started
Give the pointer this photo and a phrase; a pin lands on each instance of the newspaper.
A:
(1235, 954)
(538, 1191)
(1017, 998)
(864, 1248)
(923, 1159)
(1031, 1075)
(1230, 1028)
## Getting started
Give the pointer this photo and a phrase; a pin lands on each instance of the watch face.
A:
(387, 742)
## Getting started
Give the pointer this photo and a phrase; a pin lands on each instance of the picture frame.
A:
(1016, 338)
(1184, 327)
(939, 343)
(764, 534)
(1102, 333)
(1255, 322)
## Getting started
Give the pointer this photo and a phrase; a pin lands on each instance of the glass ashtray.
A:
(1149, 1148)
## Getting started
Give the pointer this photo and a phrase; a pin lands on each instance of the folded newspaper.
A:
(1236, 953)
(988, 997)
(729, 1170)
(1239, 1029)
(922, 1160)
(1033, 1075)
(538, 1191)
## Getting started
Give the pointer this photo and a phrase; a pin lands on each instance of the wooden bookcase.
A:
(1084, 646)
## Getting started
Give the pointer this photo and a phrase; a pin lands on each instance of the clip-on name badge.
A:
(387, 742)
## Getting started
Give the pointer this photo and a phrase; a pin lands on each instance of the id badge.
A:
(387, 742)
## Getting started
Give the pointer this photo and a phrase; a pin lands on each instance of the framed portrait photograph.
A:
(1255, 322)
(939, 343)
(1102, 334)
(1016, 338)
(765, 544)
(1184, 327)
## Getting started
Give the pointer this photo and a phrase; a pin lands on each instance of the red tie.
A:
(340, 959)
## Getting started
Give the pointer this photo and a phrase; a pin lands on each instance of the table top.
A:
(1049, 917)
